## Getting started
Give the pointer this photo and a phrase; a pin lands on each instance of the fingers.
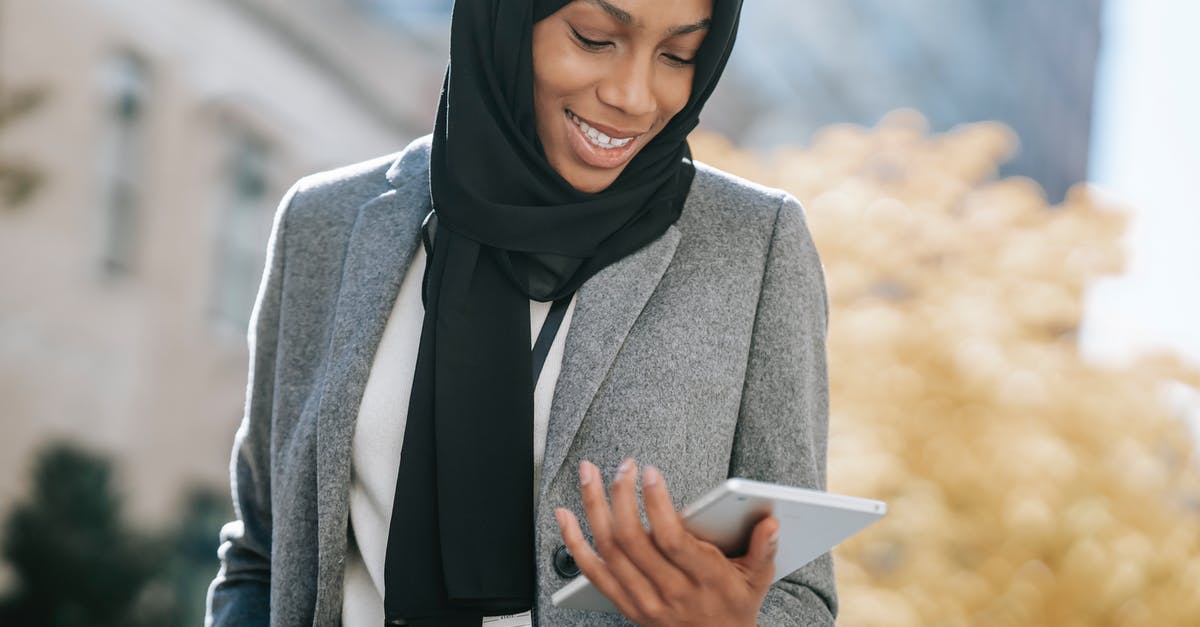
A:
(759, 561)
(700, 561)
(639, 589)
(646, 573)
(590, 563)
(666, 571)
(635, 541)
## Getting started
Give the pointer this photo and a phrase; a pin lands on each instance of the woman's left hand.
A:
(665, 576)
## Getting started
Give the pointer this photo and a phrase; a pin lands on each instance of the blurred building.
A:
(168, 133)
(802, 64)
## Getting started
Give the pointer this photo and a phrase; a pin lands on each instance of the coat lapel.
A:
(383, 240)
(606, 307)
(382, 243)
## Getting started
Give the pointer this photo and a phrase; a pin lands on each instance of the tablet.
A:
(811, 523)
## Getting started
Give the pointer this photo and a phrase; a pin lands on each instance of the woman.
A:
(402, 462)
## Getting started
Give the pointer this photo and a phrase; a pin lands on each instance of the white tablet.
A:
(811, 523)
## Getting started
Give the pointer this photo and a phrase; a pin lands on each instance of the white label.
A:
(524, 619)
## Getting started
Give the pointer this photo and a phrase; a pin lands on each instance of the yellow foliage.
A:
(1025, 485)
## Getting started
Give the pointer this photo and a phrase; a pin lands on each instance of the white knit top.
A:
(379, 434)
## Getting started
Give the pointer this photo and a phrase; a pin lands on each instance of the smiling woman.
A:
(547, 283)
(606, 82)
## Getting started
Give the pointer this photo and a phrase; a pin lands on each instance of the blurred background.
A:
(1002, 191)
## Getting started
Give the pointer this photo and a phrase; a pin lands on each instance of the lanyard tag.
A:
(524, 619)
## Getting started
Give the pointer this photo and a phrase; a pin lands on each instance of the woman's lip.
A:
(593, 155)
(608, 130)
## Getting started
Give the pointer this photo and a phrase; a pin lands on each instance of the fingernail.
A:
(774, 539)
(558, 515)
(585, 477)
(624, 468)
(651, 476)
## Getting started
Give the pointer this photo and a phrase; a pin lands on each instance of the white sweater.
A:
(379, 434)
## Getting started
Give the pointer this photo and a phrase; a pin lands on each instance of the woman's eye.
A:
(594, 45)
(678, 61)
(588, 43)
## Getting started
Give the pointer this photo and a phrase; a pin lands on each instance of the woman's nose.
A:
(630, 88)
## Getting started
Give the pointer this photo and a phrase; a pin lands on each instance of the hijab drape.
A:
(509, 229)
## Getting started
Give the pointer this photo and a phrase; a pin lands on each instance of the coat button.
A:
(564, 563)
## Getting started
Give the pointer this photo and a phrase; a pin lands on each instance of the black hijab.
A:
(509, 228)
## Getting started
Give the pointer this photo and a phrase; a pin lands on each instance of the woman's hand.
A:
(665, 576)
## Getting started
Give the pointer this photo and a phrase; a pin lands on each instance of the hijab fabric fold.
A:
(509, 229)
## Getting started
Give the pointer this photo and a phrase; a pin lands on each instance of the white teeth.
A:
(597, 138)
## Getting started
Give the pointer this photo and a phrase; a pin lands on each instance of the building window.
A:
(122, 162)
(245, 217)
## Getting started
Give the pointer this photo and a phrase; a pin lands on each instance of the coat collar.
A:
(382, 243)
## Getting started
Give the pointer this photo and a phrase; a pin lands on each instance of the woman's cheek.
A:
(679, 93)
(574, 69)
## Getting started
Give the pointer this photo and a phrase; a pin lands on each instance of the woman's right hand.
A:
(664, 576)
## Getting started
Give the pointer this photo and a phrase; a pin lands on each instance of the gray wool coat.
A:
(703, 354)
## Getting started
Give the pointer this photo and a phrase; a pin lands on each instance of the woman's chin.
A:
(592, 186)
(588, 180)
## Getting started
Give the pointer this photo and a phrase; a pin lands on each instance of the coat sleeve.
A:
(783, 425)
(240, 593)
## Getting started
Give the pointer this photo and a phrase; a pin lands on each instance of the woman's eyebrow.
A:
(626, 18)
(691, 28)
